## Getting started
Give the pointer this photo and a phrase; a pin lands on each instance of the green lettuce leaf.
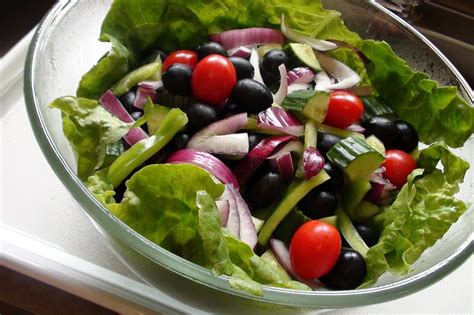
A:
(437, 113)
(424, 210)
(89, 129)
(353, 61)
(186, 222)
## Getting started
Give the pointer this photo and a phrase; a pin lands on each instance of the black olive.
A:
(210, 48)
(266, 189)
(230, 109)
(251, 96)
(243, 68)
(407, 137)
(180, 141)
(177, 79)
(318, 204)
(368, 234)
(381, 127)
(254, 139)
(127, 101)
(348, 272)
(269, 65)
(200, 115)
(336, 182)
(326, 141)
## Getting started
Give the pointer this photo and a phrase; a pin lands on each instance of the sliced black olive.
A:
(177, 79)
(266, 189)
(127, 101)
(336, 182)
(200, 115)
(326, 141)
(180, 141)
(243, 68)
(318, 204)
(251, 96)
(368, 234)
(381, 127)
(348, 272)
(210, 48)
(407, 137)
(269, 65)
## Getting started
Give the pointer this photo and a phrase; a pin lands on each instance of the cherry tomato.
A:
(213, 79)
(314, 249)
(185, 57)
(344, 109)
(398, 165)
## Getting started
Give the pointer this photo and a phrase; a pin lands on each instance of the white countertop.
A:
(46, 235)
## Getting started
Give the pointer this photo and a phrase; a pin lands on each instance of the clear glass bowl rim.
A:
(170, 261)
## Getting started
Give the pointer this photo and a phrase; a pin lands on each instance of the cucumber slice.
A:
(270, 258)
(375, 106)
(341, 133)
(301, 54)
(295, 193)
(313, 104)
(375, 143)
(355, 157)
(353, 195)
(263, 49)
(364, 212)
(350, 233)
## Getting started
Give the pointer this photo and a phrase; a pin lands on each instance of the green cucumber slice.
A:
(353, 194)
(355, 157)
(375, 143)
(301, 54)
(375, 106)
(350, 233)
(294, 194)
(313, 104)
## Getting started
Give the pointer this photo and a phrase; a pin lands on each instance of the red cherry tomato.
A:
(185, 57)
(344, 109)
(314, 249)
(398, 165)
(213, 79)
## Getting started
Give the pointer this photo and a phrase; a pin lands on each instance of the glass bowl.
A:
(65, 46)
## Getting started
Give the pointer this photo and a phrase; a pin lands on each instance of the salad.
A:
(267, 142)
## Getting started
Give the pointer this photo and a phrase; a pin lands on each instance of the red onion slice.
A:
(206, 161)
(221, 127)
(233, 221)
(112, 104)
(236, 144)
(356, 128)
(280, 95)
(248, 232)
(257, 155)
(322, 80)
(154, 85)
(284, 165)
(300, 75)
(223, 207)
(242, 52)
(143, 93)
(313, 162)
(321, 45)
(298, 86)
(346, 77)
(248, 36)
(257, 76)
(276, 118)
